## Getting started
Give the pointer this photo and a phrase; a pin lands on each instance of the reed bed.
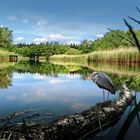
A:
(69, 58)
(121, 55)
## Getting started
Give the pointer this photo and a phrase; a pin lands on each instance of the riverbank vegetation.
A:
(119, 55)
(110, 48)
(4, 52)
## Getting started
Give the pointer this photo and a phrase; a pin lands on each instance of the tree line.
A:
(110, 40)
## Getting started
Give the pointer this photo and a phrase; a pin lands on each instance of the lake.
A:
(43, 91)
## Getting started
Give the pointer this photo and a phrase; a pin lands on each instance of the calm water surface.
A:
(43, 92)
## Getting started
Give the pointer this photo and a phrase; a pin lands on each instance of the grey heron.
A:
(103, 81)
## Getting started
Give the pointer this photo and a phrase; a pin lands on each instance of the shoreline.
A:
(77, 125)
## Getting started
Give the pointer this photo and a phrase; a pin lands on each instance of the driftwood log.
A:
(75, 126)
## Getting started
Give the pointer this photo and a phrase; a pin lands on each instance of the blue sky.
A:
(64, 20)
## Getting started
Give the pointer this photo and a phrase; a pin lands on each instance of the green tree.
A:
(5, 37)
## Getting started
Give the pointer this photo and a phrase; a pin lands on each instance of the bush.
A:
(73, 51)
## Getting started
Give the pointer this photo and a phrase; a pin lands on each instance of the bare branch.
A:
(134, 19)
(138, 9)
(130, 41)
(132, 33)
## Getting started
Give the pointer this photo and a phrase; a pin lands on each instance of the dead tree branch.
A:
(123, 37)
(133, 34)
(138, 9)
(137, 21)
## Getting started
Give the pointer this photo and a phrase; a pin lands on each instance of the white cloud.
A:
(73, 42)
(40, 77)
(41, 23)
(51, 80)
(75, 76)
(65, 32)
(25, 20)
(20, 38)
(50, 37)
(55, 81)
(13, 18)
(58, 36)
(18, 77)
(99, 35)
(40, 40)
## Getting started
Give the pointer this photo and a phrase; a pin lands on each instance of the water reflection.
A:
(117, 72)
(125, 128)
(46, 88)
(62, 94)
(5, 75)
(133, 115)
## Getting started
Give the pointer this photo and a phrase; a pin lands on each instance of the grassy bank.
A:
(122, 55)
(5, 53)
(69, 58)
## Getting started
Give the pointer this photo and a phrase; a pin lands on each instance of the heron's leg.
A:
(103, 95)
(108, 96)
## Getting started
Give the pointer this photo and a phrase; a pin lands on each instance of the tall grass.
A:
(68, 58)
(122, 55)
(5, 53)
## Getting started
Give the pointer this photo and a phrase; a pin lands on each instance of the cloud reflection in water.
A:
(64, 92)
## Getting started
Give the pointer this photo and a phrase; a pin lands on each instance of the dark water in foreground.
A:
(42, 92)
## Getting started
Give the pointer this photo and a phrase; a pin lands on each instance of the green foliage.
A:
(5, 37)
(133, 82)
(85, 46)
(5, 77)
(40, 49)
(111, 40)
